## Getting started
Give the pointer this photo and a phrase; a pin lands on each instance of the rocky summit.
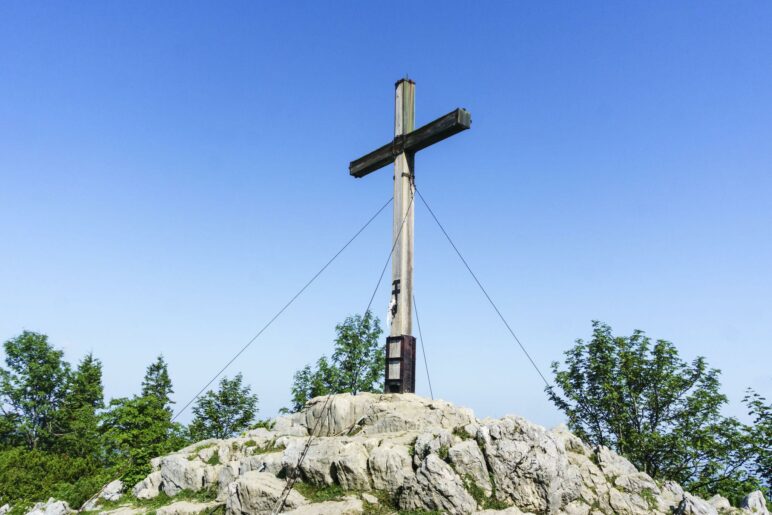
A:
(402, 453)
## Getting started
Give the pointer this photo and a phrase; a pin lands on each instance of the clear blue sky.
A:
(171, 173)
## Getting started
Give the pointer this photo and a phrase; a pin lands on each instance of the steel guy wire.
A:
(423, 348)
(278, 314)
(461, 257)
(293, 475)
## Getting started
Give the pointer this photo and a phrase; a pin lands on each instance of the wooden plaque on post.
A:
(400, 364)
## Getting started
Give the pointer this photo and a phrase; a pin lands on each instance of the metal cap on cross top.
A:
(400, 344)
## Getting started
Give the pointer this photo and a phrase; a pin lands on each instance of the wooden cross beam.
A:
(400, 345)
(441, 128)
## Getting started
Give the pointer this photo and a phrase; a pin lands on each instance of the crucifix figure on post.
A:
(400, 344)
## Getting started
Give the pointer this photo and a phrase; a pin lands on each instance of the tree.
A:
(358, 356)
(224, 413)
(137, 430)
(140, 428)
(157, 382)
(308, 383)
(356, 364)
(640, 399)
(32, 389)
(761, 411)
(78, 419)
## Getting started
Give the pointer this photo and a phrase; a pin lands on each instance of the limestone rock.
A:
(426, 455)
(530, 466)
(148, 487)
(5, 508)
(468, 461)
(670, 496)
(180, 473)
(431, 443)
(290, 425)
(383, 413)
(576, 508)
(368, 498)
(113, 491)
(348, 506)
(691, 505)
(258, 492)
(612, 464)
(124, 510)
(720, 503)
(350, 467)
(271, 462)
(50, 507)
(316, 468)
(187, 508)
(755, 503)
(390, 466)
(437, 488)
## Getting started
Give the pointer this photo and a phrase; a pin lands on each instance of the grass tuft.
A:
(265, 424)
(462, 433)
(162, 499)
(443, 452)
(316, 493)
(214, 459)
(483, 500)
(648, 496)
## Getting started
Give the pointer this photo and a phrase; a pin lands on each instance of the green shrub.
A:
(35, 475)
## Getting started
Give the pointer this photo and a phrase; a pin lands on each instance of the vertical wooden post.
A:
(402, 260)
(400, 347)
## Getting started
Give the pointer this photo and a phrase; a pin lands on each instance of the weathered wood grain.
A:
(443, 127)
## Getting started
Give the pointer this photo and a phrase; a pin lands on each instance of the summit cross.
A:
(400, 344)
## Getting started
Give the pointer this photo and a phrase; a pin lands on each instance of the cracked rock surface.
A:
(404, 452)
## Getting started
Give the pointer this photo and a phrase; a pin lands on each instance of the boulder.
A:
(755, 503)
(316, 467)
(50, 507)
(258, 492)
(148, 487)
(468, 461)
(349, 467)
(612, 464)
(691, 505)
(382, 413)
(390, 467)
(181, 473)
(530, 466)
(670, 496)
(436, 488)
(113, 491)
(270, 462)
(290, 425)
(431, 443)
(720, 503)
(370, 499)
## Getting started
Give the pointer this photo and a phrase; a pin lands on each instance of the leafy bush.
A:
(33, 475)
